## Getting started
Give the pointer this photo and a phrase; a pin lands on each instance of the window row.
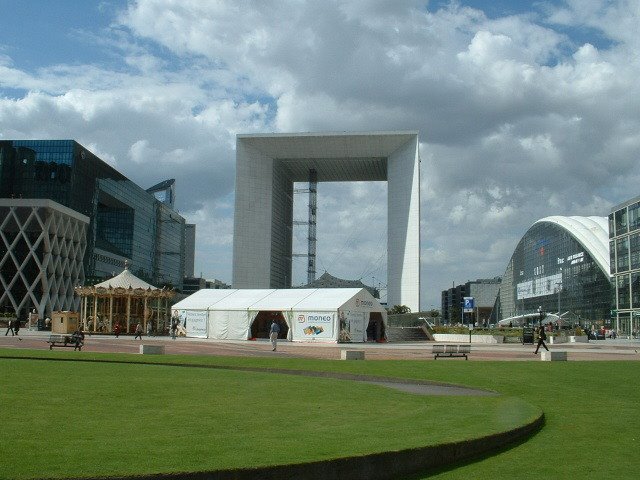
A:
(624, 220)
(628, 291)
(625, 253)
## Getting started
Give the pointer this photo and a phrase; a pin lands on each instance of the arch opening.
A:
(375, 329)
(262, 323)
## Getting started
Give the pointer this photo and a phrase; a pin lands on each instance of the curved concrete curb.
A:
(379, 466)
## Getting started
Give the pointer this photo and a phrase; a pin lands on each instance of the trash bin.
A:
(41, 324)
(527, 335)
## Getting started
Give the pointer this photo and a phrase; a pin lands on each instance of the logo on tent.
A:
(364, 303)
(301, 318)
(313, 330)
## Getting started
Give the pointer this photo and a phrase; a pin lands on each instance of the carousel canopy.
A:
(126, 279)
(127, 284)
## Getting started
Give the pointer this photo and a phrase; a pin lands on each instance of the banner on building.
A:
(196, 322)
(310, 325)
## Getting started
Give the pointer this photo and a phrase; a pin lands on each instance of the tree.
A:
(399, 309)
(454, 315)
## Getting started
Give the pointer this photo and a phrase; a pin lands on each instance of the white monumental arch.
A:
(267, 165)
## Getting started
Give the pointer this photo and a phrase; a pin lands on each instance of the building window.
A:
(634, 217)
(623, 292)
(622, 251)
(612, 256)
(612, 227)
(634, 247)
(635, 290)
(621, 222)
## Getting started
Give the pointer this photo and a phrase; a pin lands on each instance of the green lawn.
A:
(80, 419)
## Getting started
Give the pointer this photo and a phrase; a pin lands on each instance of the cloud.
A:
(520, 116)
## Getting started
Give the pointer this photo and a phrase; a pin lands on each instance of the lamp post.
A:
(559, 287)
(540, 314)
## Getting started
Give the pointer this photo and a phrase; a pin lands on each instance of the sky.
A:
(524, 110)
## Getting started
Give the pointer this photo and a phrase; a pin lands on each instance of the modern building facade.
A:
(484, 292)
(126, 223)
(190, 250)
(42, 249)
(267, 167)
(165, 191)
(560, 265)
(193, 284)
(624, 246)
(451, 304)
(327, 280)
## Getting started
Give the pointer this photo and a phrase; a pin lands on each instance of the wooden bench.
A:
(65, 341)
(451, 351)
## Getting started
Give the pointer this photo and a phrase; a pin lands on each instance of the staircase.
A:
(407, 334)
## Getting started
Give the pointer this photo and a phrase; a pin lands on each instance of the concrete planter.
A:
(579, 339)
(462, 338)
(553, 356)
(146, 349)
(555, 340)
(352, 354)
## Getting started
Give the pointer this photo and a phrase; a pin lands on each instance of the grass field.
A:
(103, 419)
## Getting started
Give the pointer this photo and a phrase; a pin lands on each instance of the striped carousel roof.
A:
(126, 279)
(125, 284)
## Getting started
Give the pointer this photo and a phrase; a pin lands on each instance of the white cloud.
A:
(520, 116)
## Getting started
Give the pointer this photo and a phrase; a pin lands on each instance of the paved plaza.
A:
(619, 349)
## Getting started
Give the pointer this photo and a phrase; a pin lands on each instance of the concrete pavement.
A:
(618, 349)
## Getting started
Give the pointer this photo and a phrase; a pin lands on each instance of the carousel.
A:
(120, 303)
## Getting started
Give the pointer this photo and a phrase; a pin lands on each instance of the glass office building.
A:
(561, 264)
(126, 222)
(624, 245)
(483, 291)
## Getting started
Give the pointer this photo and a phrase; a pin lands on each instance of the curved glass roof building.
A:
(562, 265)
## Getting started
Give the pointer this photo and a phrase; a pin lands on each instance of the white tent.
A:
(317, 314)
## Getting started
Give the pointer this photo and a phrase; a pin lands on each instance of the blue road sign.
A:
(469, 304)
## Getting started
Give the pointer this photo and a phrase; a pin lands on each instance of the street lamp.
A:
(559, 287)
(540, 314)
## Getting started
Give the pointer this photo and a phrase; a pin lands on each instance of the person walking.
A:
(542, 336)
(16, 326)
(116, 329)
(77, 339)
(273, 334)
(174, 327)
(149, 328)
(10, 329)
(138, 331)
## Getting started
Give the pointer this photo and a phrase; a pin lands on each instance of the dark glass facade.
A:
(483, 291)
(126, 222)
(624, 245)
(551, 269)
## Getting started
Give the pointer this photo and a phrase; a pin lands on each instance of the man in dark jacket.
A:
(542, 336)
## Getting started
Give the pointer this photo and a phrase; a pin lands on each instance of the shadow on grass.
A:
(475, 458)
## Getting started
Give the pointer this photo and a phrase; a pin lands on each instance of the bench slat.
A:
(451, 351)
